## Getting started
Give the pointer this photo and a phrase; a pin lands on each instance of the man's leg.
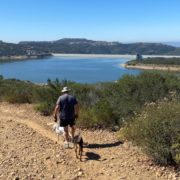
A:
(72, 131)
(66, 133)
(64, 124)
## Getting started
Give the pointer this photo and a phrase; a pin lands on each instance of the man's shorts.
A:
(66, 122)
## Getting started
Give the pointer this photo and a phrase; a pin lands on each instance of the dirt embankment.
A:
(29, 150)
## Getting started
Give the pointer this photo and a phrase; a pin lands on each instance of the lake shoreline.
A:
(133, 56)
(125, 56)
(153, 67)
(23, 57)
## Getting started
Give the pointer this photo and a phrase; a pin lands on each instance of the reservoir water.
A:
(79, 69)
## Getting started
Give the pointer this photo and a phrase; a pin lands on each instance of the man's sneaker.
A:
(66, 145)
(71, 145)
(70, 139)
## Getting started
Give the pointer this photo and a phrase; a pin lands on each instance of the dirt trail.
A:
(29, 150)
(48, 134)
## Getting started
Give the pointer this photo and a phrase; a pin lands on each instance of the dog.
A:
(78, 145)
(77, 140)
(58, 130)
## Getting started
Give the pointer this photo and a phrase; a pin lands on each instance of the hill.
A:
(85, 46)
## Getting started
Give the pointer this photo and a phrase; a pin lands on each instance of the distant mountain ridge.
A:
(175, 43)
(85, 46)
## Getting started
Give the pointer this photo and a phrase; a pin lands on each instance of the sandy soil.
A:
(29, 150)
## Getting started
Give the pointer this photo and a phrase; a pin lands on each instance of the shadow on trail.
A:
(92, 156)
(95, 156)
(91, 146)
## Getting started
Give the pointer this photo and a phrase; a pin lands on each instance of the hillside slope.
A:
(29, 150)
(85, 46)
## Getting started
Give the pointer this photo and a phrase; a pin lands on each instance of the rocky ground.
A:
(29, 150)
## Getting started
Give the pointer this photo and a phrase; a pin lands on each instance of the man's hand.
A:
(56, 110)
(76, 107)
(55, 117)
(76, 116)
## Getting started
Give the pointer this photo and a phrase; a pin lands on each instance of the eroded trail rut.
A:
(29, 150)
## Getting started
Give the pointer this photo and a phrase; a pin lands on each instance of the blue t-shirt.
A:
(67, 103)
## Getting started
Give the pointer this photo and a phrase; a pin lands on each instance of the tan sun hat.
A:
(65, 89)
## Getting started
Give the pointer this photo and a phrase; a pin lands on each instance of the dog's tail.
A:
(50, 124)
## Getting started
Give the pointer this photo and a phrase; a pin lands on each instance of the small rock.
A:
(37, 171)
(159, 174)
(53, 176)
(16, 178)
(104, 159)
(111, 165)
(124, 177)
(151, 164)
(58, 162)
(32, 133)
(13, 173)
(48, 157)
(115, 128)
(80, 173)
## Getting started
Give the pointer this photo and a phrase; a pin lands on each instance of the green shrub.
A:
(103, 114)
(45, 108)
(99, 116)
(108, 104)
(157, 131)
(101, 104)
(86, 118)
(1, 77)
(176, 152)
(132, 62)
(19, 96)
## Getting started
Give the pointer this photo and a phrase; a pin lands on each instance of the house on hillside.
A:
(30, 52)
(139, 57)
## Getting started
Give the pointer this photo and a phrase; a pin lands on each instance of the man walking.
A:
(68, 110)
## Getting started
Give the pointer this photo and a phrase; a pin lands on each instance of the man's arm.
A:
(56, 110)
(76, 107)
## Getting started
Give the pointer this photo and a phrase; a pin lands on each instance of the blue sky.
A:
(110, 20)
